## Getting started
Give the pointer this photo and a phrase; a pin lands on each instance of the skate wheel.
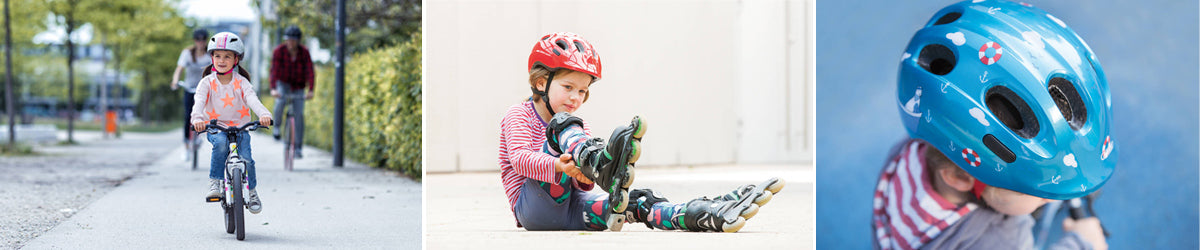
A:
(641, 128)
(622, 202)
(764, 198)
(629, 180)
(735, 226)
(750, 211)
(636, 147)
(778, 185)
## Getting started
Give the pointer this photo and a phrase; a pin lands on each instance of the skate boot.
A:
(609, 165)
(758, 194)
(704, 214)
(640, 203)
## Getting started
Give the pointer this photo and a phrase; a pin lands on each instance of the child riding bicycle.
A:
(228, 98)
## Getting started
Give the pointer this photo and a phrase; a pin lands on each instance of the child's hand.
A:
(199, 126)
(1089, 229)
(275, 93)
(567, 166)
(265, 121)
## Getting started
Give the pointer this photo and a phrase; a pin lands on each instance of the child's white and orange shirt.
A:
(229, 103)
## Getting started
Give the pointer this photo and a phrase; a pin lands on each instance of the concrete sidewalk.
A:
(470, 211)
(315, 206)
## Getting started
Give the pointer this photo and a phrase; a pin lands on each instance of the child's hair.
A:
(241, 70)
(935, 161)
(539, 72)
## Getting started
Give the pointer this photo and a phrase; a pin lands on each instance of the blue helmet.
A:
(1012, 95)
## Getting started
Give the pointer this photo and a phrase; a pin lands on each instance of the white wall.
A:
(718, 81)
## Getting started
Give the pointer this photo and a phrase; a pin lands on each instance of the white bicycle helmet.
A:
(226, 41)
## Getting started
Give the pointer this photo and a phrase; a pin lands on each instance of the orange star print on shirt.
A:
(245, 111)
(227, 100)
(229, 103)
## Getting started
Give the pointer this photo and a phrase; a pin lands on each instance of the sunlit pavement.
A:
(315, 206)
(470, 211)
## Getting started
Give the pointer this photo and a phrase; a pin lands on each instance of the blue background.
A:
(1148, 50)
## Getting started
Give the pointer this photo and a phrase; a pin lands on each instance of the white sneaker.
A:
(255, 205)
(214, 189)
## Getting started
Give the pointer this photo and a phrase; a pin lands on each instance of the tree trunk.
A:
(8, 89)
(70, 16)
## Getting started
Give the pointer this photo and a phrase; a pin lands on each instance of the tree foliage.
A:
(369, 24)
(145, 38)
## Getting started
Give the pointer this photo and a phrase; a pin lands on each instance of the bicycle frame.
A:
(232, 196)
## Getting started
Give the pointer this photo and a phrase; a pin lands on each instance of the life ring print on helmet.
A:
(989, 60)
(978, 78)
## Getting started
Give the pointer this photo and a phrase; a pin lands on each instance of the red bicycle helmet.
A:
(563, 50)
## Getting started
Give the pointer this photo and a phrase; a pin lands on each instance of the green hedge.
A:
(383, 108)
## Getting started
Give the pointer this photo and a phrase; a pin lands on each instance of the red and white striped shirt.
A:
(522, 152)
(908, 212)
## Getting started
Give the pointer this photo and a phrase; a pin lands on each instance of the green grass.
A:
(20, 149)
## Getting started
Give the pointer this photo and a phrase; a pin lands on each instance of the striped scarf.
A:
(908, 212)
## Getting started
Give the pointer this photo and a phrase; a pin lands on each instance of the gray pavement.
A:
(470, 211)
(315, 206)
(39, 191)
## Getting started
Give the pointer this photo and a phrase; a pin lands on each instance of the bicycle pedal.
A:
(213, 199)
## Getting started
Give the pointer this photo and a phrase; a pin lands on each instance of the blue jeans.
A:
(295, 99)
(189, 99)
(538, 212)
(220, 152)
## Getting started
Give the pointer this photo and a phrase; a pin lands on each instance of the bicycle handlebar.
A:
(1083, 207)
(215, 127)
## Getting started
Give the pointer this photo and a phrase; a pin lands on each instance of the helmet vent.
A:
(561, 44)
(948, 18)
(1011, 110)
(578, 46)
(1069, 103)
(999, 148)
(936, 59)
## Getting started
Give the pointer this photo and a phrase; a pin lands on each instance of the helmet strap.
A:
(231, 70)
(978, 189)
(546, 93)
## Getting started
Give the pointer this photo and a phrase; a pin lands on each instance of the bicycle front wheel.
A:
(239, 205)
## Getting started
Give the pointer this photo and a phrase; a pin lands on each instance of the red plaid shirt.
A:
(296, 73)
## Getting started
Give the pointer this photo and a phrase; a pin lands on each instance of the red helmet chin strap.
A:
(978, 189)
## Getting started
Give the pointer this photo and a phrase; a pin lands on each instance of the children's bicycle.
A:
(234, 183)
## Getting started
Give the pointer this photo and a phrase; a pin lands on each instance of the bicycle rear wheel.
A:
(229, 226)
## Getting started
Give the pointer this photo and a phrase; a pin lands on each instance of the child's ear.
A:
(957, 179)
(540, 83)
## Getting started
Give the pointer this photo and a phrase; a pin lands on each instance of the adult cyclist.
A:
(291, 77)
(192, 61)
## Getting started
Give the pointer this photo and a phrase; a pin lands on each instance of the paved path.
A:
(37, 192)
(316, 206)
(470, 211)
